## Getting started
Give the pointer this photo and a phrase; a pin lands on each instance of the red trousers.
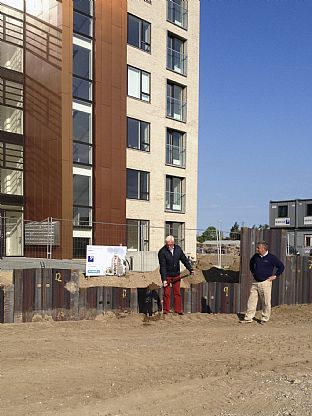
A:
(177, 299)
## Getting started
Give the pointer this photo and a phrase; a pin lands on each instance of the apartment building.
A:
(98, 124)
(162, 119)
(295, 216)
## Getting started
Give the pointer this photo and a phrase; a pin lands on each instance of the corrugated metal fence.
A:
(56, 293)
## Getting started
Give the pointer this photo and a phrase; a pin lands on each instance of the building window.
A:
(82, 217)
(11, 57)
(138, 84)
(82, 69)
(82, 62)
(11, 93)
(177, 229)
(138, 134)
(82, 134)
(82, 126)
(308, 240)
(137, 184)
(82, 89)
(11, 120)
(139, 33)
(138, 235)
(11, 169)
(175, 148)
(84, 6)
(17, 4)
(82, 153)
(80, 247)
(82, 200)
(176, 101)
(12, 230)
(83, 17)
(177, 12)
(309, 210)
(175, 197)
(282, 211)
(176, 57)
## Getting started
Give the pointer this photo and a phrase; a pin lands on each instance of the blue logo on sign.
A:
(91, 259)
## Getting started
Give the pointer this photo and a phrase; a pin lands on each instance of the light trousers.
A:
(263, 291)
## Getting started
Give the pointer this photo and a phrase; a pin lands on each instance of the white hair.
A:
(170, 238)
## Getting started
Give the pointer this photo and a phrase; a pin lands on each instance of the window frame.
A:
(183, 102)
(140, 192)
(169, 231)
(280, 211)
(141, 71)
(140, 138)
(173, 36)
(141, 22)
(171, 194)
(143, 243)
(183, 138)
(184, 24)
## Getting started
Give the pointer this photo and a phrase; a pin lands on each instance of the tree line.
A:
(212, 233)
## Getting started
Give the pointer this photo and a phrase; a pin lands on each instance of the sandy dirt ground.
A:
(190, 365)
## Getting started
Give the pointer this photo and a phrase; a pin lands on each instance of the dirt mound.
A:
(138, 280)
(214, 274)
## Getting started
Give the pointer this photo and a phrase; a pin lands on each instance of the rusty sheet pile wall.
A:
(55, 294)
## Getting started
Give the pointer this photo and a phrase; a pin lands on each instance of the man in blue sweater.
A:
(265, 268)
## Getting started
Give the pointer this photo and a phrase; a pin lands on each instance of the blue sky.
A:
(255, 124)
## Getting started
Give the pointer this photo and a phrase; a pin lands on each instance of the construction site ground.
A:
(194, 365)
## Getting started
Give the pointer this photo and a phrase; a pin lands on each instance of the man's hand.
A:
(271, 278)
(165, 283)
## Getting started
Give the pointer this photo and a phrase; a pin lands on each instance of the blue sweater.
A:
(262, 267)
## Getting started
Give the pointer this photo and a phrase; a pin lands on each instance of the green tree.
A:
(235, 232)
(209, 234)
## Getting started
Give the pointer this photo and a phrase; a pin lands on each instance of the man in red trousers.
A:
(169, 258)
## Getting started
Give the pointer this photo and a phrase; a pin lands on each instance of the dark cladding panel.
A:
(110, 118)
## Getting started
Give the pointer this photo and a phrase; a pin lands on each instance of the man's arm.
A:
(278, 265)
(279, 268)
(252, 264)
(185, 261)
(162, 265)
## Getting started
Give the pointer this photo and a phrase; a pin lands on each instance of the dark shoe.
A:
(166, 312)
(181, 313)
(263, 322)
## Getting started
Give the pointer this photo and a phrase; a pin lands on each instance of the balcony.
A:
(176, 109)
(176, 61)
(177, 12)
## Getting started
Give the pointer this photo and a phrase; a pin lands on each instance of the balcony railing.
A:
(177, 13)
(176, 109)
(175, 155)
(176, 61)
(175, 201)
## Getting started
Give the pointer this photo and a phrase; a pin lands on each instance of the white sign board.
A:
(279, 222)
(106, 261)
(307, 220)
